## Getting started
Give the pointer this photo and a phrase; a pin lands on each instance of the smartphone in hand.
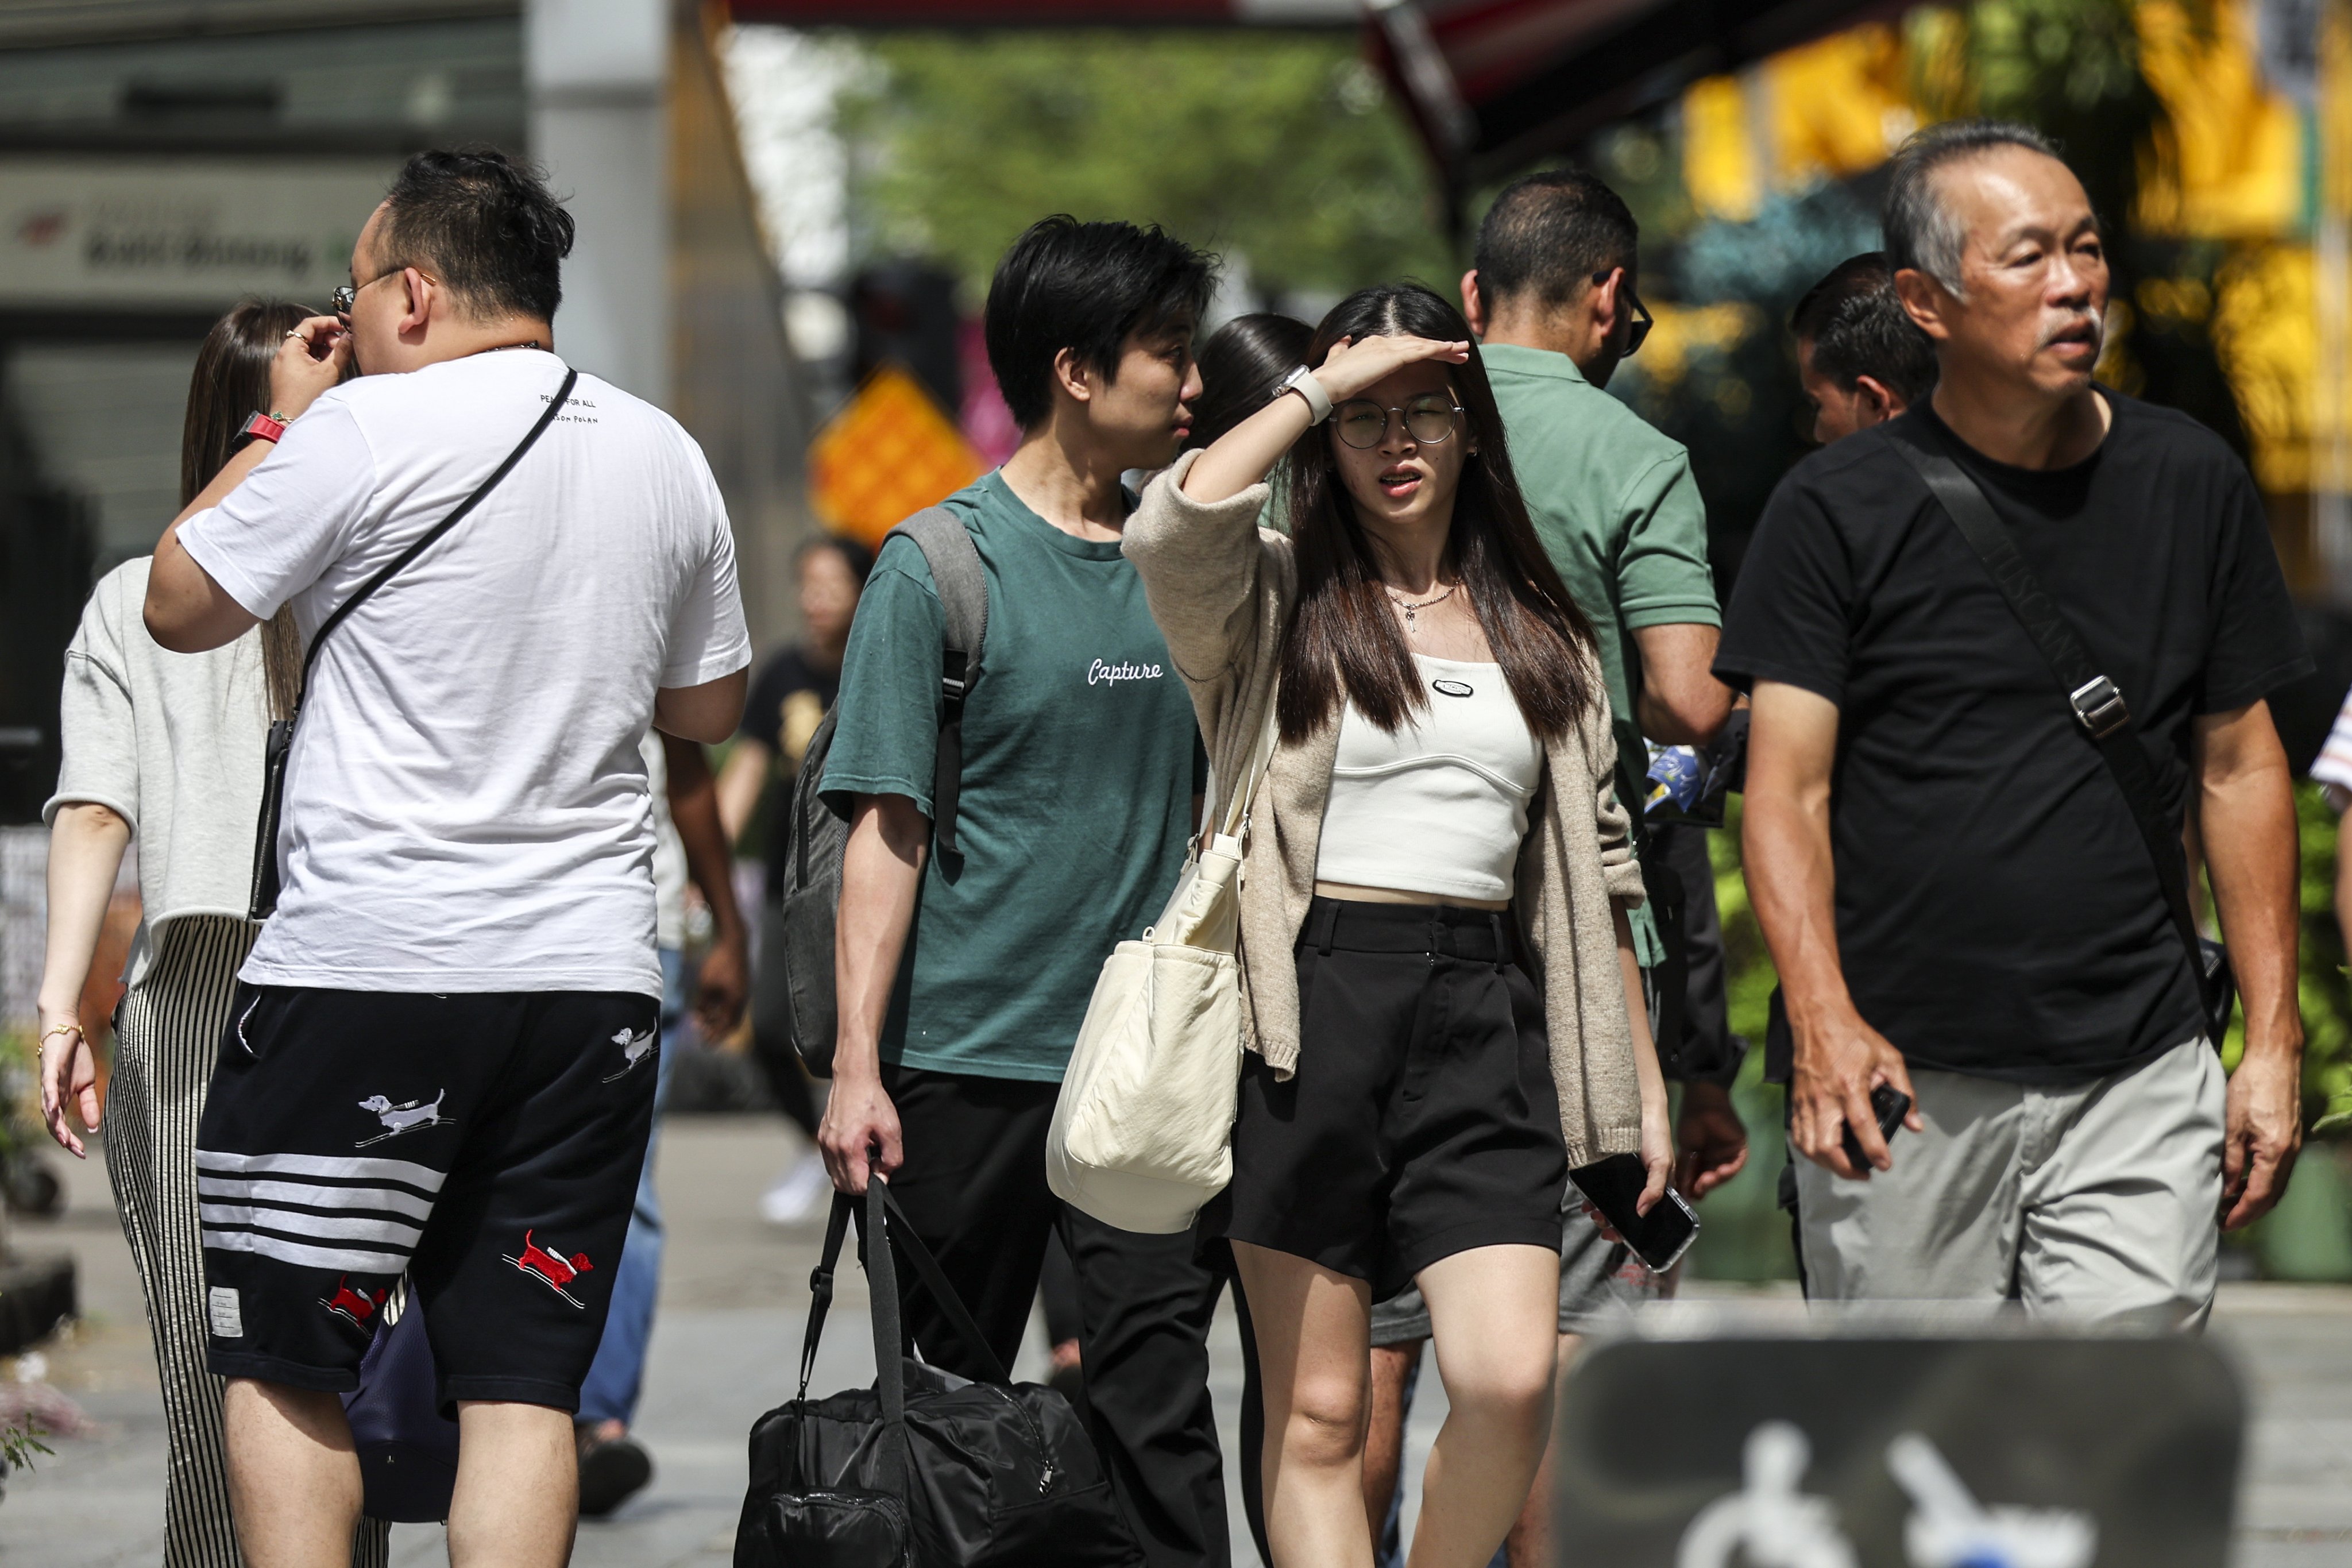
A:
(1890, 1105)
(1613, 1186)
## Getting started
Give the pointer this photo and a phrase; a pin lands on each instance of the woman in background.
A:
(788, 697)
(166, 748)
(1242, 368)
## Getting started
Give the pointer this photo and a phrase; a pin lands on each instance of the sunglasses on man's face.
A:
(1641, 322)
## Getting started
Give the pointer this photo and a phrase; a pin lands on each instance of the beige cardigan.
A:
(1221, 589)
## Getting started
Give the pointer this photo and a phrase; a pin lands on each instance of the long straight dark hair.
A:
(232, 381)
(1344, 641)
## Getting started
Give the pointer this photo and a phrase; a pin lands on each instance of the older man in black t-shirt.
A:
(1950, 878)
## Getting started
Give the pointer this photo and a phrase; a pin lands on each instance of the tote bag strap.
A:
(1242, 800)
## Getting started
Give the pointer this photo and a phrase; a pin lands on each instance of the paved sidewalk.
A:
(727, 1341)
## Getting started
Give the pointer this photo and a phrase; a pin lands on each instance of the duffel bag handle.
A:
(935, 1280)
(882, 1284)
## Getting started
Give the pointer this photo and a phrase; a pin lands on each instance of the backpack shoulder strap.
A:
(954, 562)
(2093, 698)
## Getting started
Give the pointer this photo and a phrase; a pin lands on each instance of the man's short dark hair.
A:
(1084, 287)
(1547, 233)
(1922, 231)
(483, 225)
(1858, 327)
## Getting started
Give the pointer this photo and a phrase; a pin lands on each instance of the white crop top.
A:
(1441, 806)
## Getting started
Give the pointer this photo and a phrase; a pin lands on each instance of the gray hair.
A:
(1922, 231)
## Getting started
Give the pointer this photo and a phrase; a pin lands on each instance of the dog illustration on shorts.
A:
(552, 1270)
(351, 1306)
(636, 1049)
(413, 1117)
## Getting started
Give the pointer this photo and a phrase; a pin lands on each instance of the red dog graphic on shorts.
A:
(350, 1305)
(551, 1268)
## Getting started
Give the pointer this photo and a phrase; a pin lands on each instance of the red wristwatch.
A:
(259, 426)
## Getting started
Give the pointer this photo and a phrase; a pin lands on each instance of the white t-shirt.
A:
(465, 806)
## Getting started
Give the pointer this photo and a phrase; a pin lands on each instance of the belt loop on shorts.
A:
(1502, 947)
(1323, 924)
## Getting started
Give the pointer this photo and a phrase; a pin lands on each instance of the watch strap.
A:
(261, 426)
(1302, 382)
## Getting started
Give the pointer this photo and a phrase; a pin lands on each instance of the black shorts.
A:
(487, 1144)
(1421, 1122)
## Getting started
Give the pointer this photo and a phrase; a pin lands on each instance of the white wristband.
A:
(1302, 382)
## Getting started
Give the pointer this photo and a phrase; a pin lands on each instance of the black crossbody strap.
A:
(554, 407)
(2093, 700)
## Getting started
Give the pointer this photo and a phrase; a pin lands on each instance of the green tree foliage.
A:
(1281, 150)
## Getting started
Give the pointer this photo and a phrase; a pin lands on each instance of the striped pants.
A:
(166, 1034)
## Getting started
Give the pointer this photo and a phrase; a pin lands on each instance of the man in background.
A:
(1861, 357)
(689, 846)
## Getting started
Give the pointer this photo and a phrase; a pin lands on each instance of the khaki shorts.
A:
(2096, 1202)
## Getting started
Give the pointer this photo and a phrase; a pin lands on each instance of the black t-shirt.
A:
(1997, 912)
(788, 696)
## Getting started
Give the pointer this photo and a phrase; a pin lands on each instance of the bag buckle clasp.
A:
(2100, 707)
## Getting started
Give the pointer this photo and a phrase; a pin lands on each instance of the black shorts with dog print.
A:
(487, 1145)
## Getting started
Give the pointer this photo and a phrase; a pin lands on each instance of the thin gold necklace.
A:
(1409, 609)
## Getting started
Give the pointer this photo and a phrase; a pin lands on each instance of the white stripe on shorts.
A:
(348, 1260)
(423, 1177)
(321, 1228)
(389, 1199)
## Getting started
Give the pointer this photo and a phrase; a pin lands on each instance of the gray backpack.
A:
(815, 835)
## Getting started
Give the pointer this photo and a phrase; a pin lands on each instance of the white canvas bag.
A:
(1142, 1134)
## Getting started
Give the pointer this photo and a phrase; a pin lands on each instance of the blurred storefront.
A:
(2255, 157)
(159, 159)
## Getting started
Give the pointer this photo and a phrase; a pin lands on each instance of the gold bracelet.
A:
(42, 1049)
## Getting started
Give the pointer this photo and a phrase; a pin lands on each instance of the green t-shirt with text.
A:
(1614, 503)
(1079, 766)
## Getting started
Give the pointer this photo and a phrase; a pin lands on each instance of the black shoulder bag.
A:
(2091, 697)
(262, 902)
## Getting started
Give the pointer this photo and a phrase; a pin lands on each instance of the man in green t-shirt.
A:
(963, 976)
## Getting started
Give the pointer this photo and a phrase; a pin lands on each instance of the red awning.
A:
(1050, 13)
(1497, 84)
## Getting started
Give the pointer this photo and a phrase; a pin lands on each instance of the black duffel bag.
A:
(924, 1469)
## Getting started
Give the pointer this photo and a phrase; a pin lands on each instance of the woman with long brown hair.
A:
(1444, 1015)
(166, 748)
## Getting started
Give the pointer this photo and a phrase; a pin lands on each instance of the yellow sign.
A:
(889, 453)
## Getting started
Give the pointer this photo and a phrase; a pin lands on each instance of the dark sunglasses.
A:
(1643, 321)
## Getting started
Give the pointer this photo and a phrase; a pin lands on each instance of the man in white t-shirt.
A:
(442, 1052)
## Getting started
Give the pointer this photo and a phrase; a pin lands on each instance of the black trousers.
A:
(974, 1186)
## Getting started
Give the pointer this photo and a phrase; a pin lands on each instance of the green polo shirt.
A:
(1620, 515)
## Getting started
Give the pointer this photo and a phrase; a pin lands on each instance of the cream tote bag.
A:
(1142, 1134)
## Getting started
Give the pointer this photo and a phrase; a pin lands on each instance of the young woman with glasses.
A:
(1445, 1014)
(165, 748)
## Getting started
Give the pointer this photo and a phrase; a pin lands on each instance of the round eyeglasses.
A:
(1428, 419)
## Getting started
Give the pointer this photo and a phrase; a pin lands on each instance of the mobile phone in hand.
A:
(1890, 1105)
(1658, 1238)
